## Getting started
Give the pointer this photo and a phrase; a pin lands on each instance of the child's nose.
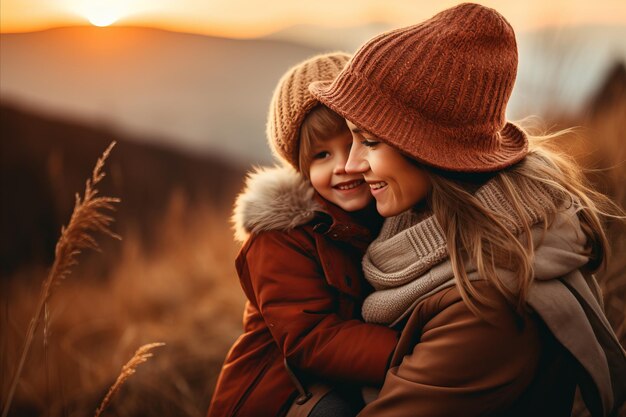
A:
(340, 166)
(356, 163)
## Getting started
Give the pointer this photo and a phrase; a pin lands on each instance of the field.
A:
(171, 278)
(184, 293)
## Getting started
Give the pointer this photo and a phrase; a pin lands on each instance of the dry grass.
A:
(185, 292)
(87, 218)
(600, 150)
(141, 355)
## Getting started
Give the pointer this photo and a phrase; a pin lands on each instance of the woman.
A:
(488, 234)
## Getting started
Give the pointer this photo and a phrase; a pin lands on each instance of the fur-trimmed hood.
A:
(274, 198)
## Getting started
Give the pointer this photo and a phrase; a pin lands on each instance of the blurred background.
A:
(183, 87)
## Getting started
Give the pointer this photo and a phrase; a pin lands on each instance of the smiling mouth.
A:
(377, 185)
(349, 185)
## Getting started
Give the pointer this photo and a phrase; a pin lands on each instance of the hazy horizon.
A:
(208, 94)
(247, 18)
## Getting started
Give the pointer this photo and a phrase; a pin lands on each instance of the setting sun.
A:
(102, 13)
(102, 19)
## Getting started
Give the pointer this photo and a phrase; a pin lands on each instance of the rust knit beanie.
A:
(292, 101)
(436, 91)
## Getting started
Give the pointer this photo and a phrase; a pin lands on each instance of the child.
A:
(299, 265)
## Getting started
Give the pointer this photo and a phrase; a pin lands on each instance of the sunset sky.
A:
(251, 18)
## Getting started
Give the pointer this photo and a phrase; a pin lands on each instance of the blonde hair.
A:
(320, 124)
(475, 233)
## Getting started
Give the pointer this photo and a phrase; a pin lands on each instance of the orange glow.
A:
(252, 18)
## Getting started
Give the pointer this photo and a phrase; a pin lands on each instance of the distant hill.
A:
(199, 93)
(45, 161)
(210, 95)
(611, 94)
(559, 67)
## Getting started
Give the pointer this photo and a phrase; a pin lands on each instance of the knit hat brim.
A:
(291, 103)
(404, 129)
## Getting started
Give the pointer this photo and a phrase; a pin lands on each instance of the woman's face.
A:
(396, 183)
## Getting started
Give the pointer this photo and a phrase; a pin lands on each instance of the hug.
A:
(415, 253)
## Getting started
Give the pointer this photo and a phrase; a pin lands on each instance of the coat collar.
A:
(279, 198)
(357, 229)
(274, 198)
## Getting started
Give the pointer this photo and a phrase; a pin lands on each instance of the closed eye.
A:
(369, 143)
(358, 134)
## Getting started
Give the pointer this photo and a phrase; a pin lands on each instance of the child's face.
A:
(329, 178)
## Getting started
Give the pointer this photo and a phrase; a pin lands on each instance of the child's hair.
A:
(320, 124)
(476, 233)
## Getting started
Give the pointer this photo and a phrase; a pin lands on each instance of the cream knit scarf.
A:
(406, 262)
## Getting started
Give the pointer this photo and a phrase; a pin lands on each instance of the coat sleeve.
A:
(463, 365)
(300, 310)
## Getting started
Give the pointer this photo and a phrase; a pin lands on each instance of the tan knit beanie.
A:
(292, 101)
(437, 91)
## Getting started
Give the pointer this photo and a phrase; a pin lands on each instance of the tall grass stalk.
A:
(141, 355)
(87, 218)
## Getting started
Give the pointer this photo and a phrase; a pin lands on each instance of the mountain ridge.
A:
(45, 161)
(210, 94)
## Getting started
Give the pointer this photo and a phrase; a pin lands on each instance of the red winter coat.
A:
(301, 272)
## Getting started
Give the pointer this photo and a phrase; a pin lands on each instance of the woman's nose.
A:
(356, 163)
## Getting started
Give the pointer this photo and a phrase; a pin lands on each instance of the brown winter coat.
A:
(449, 362)
(300, 270)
